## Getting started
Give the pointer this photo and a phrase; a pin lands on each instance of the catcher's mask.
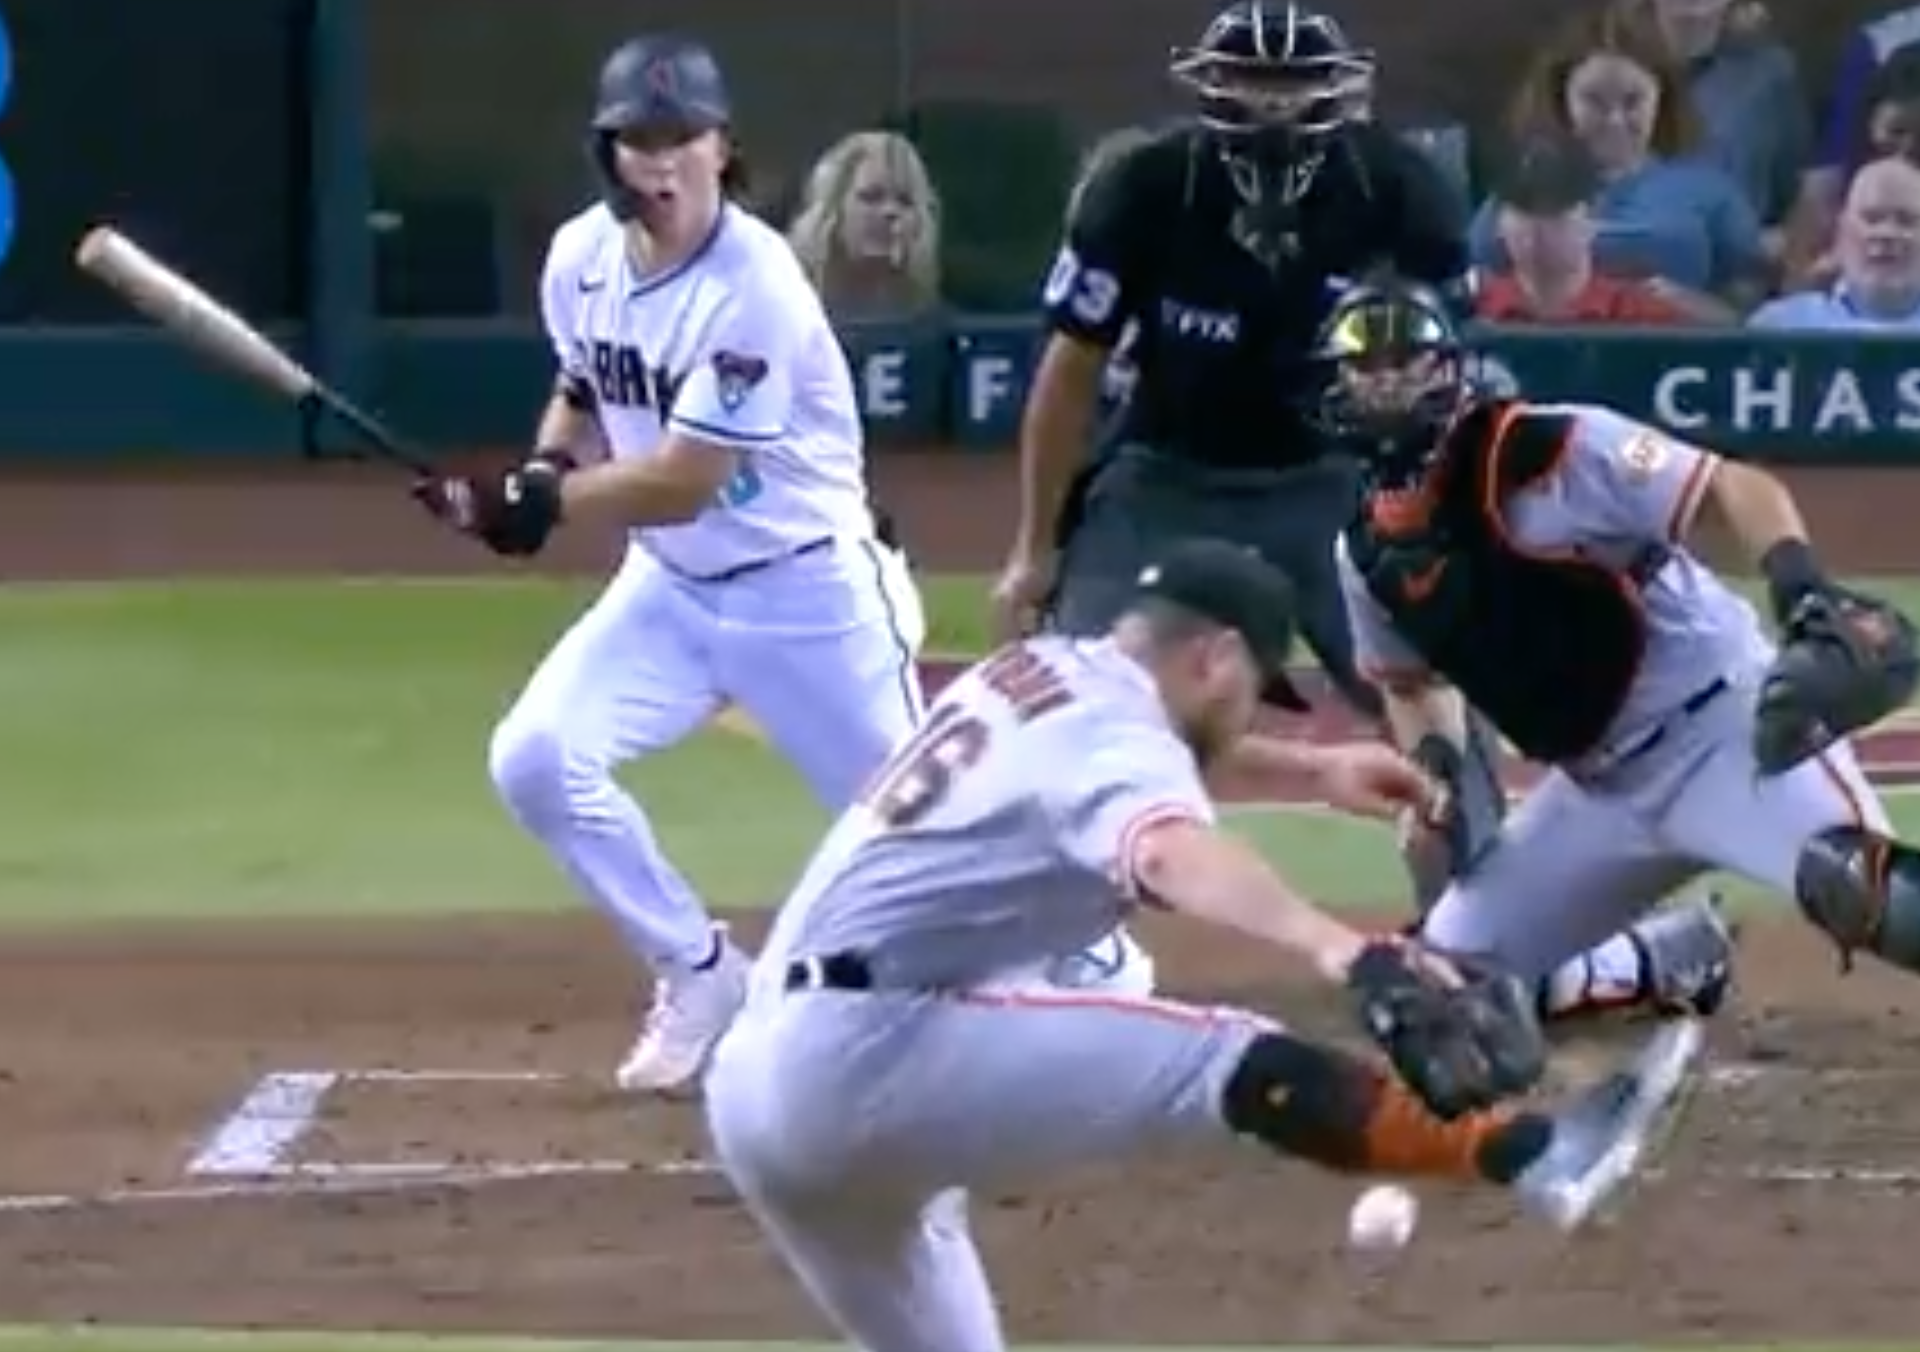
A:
(1395, 378)
(1276, 83)
(655, 91)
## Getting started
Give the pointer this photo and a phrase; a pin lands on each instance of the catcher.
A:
(1533, 559)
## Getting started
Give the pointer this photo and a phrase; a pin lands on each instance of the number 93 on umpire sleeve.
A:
(1090, 295)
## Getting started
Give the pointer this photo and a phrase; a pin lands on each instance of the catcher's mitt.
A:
(1461, 1048)
(1846, 660)
(1465, 824)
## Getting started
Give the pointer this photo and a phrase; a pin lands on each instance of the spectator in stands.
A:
(1545, 223)
(1890, 126)
(1748, 96)
(1878, 247)
(868, 229)
(1661, 212)
(1845, 135)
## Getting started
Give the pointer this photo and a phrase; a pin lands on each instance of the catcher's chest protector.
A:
(1545, 644)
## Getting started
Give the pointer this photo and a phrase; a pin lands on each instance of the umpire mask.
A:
(1276, 84)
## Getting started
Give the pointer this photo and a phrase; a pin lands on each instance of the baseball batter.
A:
(689, 340)
(1534, 558)
(876, 1074)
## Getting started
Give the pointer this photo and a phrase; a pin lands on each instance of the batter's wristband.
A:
(561, 461)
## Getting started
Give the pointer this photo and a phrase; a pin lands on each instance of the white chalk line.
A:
(244, 1158)
(490, 1171)
(345, 1180)
(394, 1075)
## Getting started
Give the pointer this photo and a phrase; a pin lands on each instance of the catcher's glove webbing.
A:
(1461, 1048)
(1466, 825)
(1846, 661)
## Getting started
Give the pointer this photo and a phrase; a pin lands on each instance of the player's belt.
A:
(1689, 706)
(739, 571)
(831, 972)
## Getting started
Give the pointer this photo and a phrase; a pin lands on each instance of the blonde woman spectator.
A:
(1878, 251)
(868, 229)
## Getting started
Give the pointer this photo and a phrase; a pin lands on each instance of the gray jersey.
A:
(999, 835)
(1621, 491)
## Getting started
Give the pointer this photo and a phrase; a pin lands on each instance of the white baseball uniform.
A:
(997, 839)
(777, 597)
(1672, 789)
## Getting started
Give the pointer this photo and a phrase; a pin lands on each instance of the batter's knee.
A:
(538, 772)
(1862, 889)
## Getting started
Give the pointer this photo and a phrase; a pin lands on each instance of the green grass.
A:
(290, 748)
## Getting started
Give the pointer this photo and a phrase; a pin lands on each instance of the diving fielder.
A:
(878, 1072)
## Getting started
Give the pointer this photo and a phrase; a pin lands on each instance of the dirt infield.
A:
(378, 1084)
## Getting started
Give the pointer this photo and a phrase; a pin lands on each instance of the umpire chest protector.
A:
(1545, 643)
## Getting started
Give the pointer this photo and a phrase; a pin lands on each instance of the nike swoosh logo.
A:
(588, 285)
(1420, 585)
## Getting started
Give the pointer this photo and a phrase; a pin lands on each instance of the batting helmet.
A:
(655, 82)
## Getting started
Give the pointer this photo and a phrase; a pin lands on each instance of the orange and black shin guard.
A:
(1343, 1114)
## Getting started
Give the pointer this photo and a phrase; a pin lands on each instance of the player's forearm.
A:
(1199, 872)
(1054, 435)
(1755, 506)
(566, 426)
(1763, 516)
(1257, 756)
(633, 493)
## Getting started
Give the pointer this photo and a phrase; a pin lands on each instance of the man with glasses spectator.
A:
(1877, 251)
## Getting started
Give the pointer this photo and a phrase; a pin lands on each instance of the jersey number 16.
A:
(922, 773)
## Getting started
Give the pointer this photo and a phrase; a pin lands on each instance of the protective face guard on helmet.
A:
(1396, 379)
(1273, 118)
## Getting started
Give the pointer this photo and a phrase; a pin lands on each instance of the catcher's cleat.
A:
(1675, 963)
(1689, 957)
(1602, 1136)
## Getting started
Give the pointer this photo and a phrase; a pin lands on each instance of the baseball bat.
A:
(206, 325)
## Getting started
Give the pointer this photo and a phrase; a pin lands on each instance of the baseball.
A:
(1382, 1218)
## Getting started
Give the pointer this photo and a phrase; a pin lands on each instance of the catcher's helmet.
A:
(1275, 80)
(659, 85)
(1395, 376)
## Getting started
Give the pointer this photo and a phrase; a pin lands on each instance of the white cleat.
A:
(691, 1010)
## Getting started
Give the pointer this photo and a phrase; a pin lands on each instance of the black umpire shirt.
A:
(1223, 337)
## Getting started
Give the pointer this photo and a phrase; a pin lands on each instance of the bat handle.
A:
(371, 432)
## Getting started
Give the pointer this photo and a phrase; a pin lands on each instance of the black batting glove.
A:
(513, 513)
